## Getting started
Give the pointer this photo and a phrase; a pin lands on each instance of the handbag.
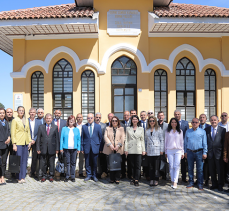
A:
(115, 162)
(63, 162)
(14, 163)
(145, 161)
(163, 165)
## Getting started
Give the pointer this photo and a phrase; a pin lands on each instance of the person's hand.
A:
(82, 152)
(225, 160)
(204, 157)
(185, 155)
(38, 152)
(126, 153)
(100, 151)
(33, 142)
(61, 151)
(143, 153)
(7, 141)
(161, 153)
(57, 151)
(116, 148)
(15, 147)
(165, 155)
(78, 152)
(112, 147)
(29, 146)
(182, 156)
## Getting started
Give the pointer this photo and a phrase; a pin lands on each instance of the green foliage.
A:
(1, 105)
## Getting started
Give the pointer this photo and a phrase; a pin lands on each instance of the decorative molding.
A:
(165, 34)
(45, 64)
(126, 47)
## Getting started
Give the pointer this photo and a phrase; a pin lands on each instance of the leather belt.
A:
(194, 150)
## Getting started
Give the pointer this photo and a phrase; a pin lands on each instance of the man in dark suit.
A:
(110, 115)
(203, 125)
(184, 126)
(91, 138)
(60, 123)
(47, 146)
(34, 125)
(215, 140)
(126, 123)
(40, 115)
(102, 159)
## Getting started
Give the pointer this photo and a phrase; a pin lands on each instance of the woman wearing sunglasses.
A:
(114, 141)
(135, 147)
(154, 144)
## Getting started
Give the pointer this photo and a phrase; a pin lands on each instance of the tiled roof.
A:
(58, 11)
(191, 10)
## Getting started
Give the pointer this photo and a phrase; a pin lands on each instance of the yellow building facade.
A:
(103, 62)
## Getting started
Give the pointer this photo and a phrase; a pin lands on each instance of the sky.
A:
(6, 96)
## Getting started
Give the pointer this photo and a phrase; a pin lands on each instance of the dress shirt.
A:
(89, 125)
(160, 125)
(3, 122)
(142, 124)
(224, 126)
(195, 140)
(174, 141)
(80, 127)
(127, 123)
(32, 125)
(48, 126)
(71, 138)
(203, 126)
(55, 121)
(212, 130)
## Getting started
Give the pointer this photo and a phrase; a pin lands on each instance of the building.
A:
(112, 56)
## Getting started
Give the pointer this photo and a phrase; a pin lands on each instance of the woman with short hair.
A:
(114, 143)
(21, 140)
(154, 142)
(4, 143)
(70, 144)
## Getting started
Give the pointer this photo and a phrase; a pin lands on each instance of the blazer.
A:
(134, 142)
(48, 143)
(226, 146)
(20, 135)
(109, 139)
(154, 144)
(63, 123)
(36, 126)
(215, 147)
(165, 127)
(64, 138)
(4, 134)
(123, 125)
(41, 121)
(94, 141)
(103, 128)
(184, 126)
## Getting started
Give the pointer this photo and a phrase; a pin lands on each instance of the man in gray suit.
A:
(102, 161)
(164, 126)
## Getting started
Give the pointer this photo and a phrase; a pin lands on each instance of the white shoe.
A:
(171, 186)
(174, 187)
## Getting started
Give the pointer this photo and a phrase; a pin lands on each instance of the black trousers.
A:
(184, 164)
(206, 169)
(164, 174)
(129, 169)
(226, 171)
(3, 154)
(102, 164)
(216, 167)
(135, 161)
(34, 159)
(115, 175)
(43, 165)
(154, 167)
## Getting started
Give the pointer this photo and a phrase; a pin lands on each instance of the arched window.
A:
(124, 86)
(210, 92)
(160, 92)
(186, 89)
(88, 93)
(37, 89)
(62, 88)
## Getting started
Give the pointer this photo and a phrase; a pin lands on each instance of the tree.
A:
(1, 105)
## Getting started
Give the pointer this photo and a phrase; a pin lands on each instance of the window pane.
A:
(118, 104)
(212, 111)
(157, 99)
(190, 114)
(190, 83)
(117, 65)
(157, 83)
(180, 82)
(129, 91)
(123, 79)
(163, 83)
(118, 91)
(129, 103)
(207, 98)
(163, 99)
(119, 115)
(190, 99)
(180, 99)
(212, 98)
(212, 82)
(206, 82)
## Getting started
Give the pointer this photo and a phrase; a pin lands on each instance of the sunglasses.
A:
(114, 120)
(90, 118)
(223, 115)
(98, 117)
(195, 122)
(150, 113)
(151, 121)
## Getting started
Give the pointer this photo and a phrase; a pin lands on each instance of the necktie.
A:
(144, 126)
(48, 130)
(91, 130)
(58, 124)
(213, 134)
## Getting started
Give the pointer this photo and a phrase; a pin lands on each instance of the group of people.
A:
(133, 138)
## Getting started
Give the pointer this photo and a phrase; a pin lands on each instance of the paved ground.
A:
(81, 195)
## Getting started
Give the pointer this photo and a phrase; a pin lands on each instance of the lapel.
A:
(87, 130)
(134, 134)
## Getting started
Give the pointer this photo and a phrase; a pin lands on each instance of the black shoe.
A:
(196, 182)
(227, 191)
(132, 182)
(117, 182)
(206, 183)
(213, 187)
(111, 181)
(123, 177)
(66, 180)
(220, 188)
(81, 175)
(184, 180)
(136, 183)
(73, 180)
